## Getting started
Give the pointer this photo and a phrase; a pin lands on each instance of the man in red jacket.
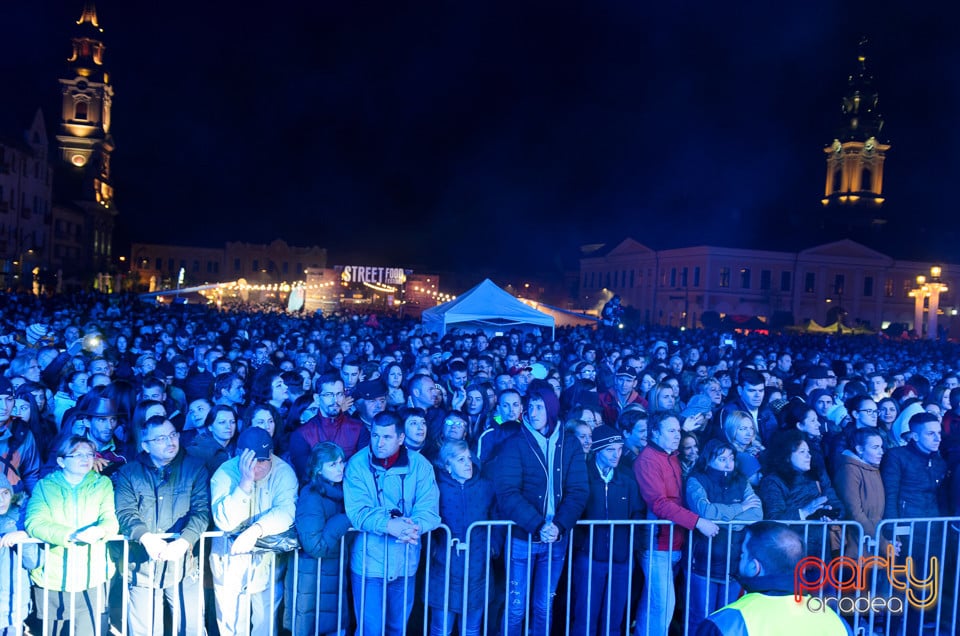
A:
(657, 470)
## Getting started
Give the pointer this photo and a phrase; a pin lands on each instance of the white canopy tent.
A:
(488, 308)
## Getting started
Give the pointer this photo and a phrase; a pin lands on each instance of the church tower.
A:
(855, 157)
(85, 211)
(85, 143)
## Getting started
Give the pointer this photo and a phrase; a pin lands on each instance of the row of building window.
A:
(8, 165)
(213, 267)
(678, 278)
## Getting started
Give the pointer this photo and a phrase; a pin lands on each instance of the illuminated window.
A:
(724, 277)
(907, 287)
(888, 288)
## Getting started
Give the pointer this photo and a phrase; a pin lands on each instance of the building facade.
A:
(154, 267)
(843, 279)
(26, 201)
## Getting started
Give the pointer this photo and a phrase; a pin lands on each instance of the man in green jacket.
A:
(771, 552)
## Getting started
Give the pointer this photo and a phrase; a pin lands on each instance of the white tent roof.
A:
(485, 307)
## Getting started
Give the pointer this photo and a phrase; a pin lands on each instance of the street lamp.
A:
(918, 294)
(937, 287)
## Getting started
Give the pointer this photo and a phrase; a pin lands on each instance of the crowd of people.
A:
(358, 441)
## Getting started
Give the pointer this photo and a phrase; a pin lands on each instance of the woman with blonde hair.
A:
(740, 430)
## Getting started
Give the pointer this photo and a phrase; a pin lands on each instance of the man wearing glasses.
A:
(328, 425)
(163, 492)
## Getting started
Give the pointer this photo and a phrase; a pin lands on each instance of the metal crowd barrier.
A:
(922, 581)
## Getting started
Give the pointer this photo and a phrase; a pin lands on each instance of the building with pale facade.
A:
(840, 279)
(26, 198)
(158, 266)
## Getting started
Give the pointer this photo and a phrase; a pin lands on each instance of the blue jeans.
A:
(146, 609)
(545, 564)
(659, 568)
(474, 622)
(594, 581)
(382, 607)
(707, 596)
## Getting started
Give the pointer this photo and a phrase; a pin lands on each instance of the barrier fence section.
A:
(498, 580)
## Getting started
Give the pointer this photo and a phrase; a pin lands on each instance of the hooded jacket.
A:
(522, 482)
(55, 512)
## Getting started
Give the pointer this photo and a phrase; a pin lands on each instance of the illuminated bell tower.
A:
(85, 142)
(855, 157)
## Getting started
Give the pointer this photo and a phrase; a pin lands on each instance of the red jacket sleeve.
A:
(660, 488)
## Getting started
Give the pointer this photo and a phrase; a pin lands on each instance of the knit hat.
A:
(6, 387)
(36, 332)
(698, 404)
(257, 440)
(604, 436)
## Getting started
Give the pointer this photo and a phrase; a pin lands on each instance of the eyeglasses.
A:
(164, 439)
(330, 394)
(80, 456)
(868, 411)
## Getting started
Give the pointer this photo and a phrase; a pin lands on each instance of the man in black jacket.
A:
(163, 491)
(914, 482)
(602, 552)
(541, 485)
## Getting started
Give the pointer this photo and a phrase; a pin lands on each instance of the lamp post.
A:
(919, 293)
(936, 287)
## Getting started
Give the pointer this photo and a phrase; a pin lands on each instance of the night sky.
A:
(471, 135)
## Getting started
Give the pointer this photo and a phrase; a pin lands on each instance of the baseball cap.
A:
(257, 440)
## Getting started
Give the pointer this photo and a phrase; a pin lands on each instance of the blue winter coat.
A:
(321, 524)
(460, 506)
(11, 612)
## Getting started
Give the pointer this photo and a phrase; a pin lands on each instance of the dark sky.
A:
(498, 133)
